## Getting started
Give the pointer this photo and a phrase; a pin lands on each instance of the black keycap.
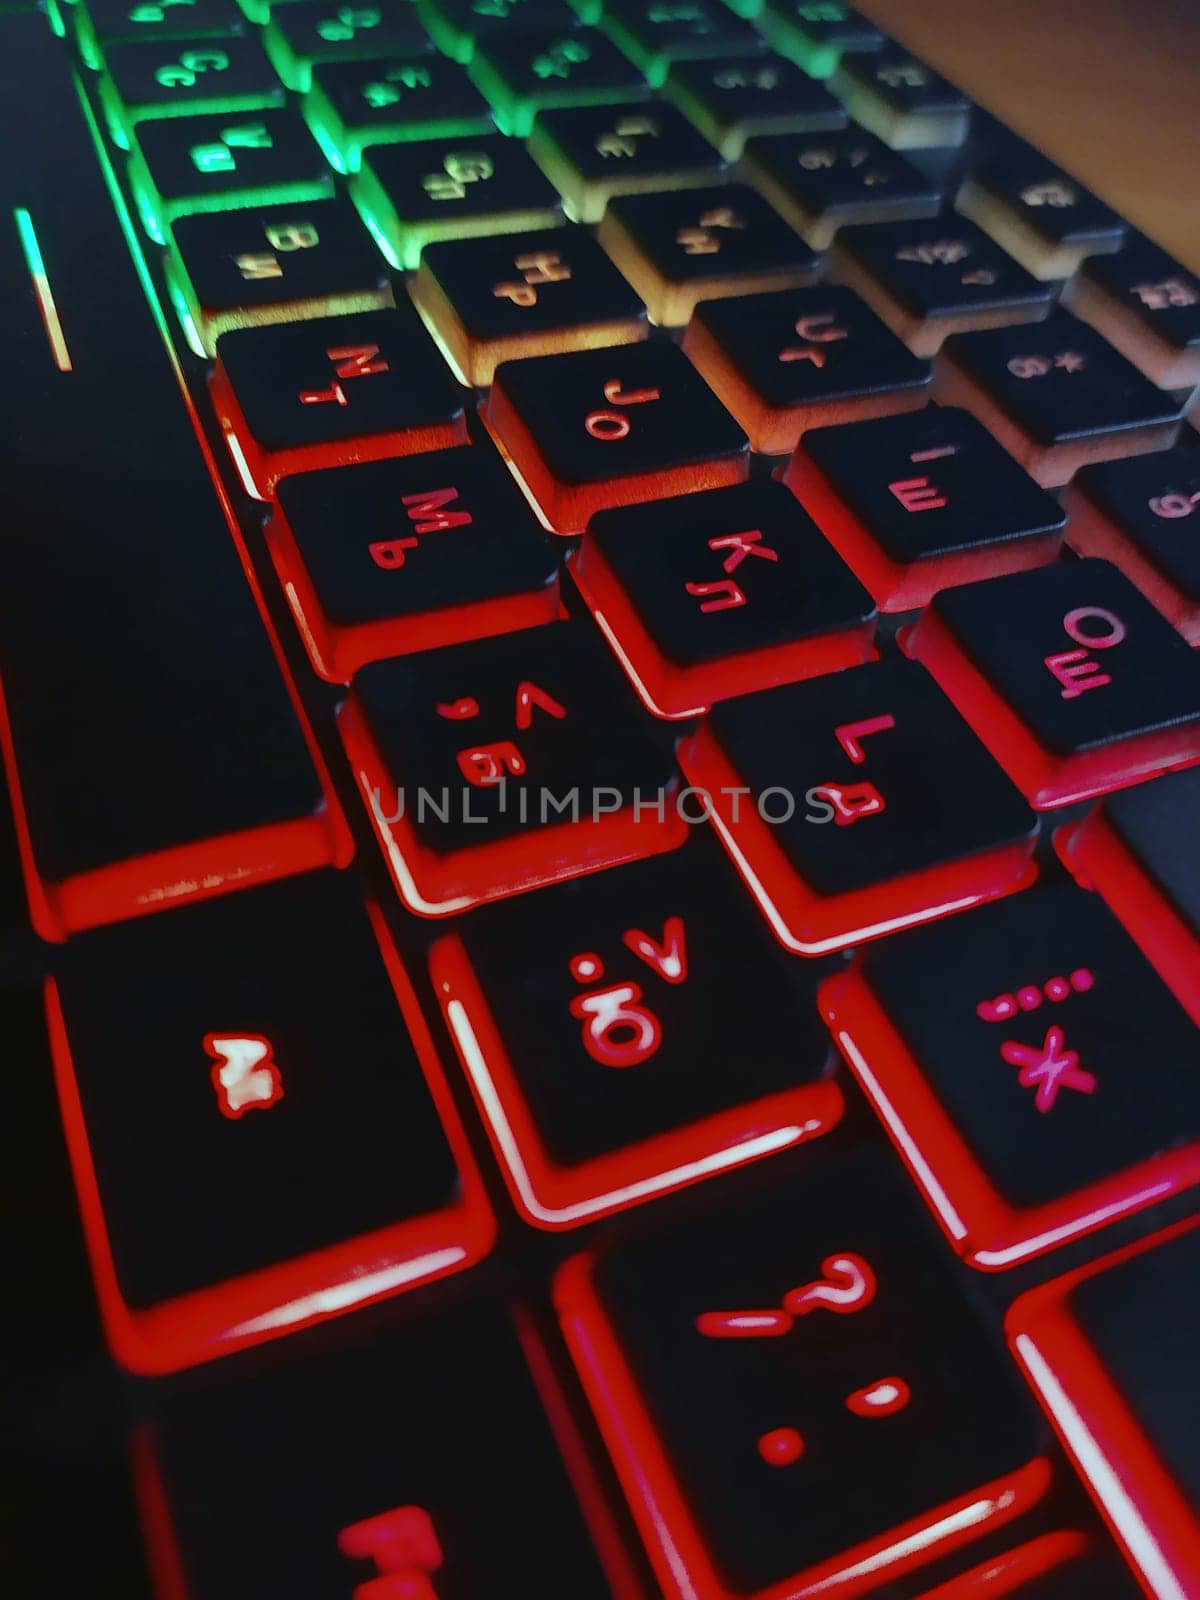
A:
(274, 263)
(743, 95)
(1068, 675)
(353, 104)
(802, 358)
(820, 181)
(157, 754)
(215, 163)
(537, 745)
(637, 1031)
(930, 278)
(101, 22)
(654, 34)
(779, 1402)
(304, 32)
(390, 557)
(1110, 1350)
(721, 593)
(360, 1467)
(921, 501)
(234, 1160)
(1007, 1052)
(1056, 395)
(524, 294)
(1145, 303)
(592, 153)
(701, 244)
(331, 390)
(902, 100)
(879, 808)
(1139, 850)
(1053, 1566)
(155, 78)
(816, 34)
(1143, 514)
(598, 428)
(525, 73)
(1039, 214)
(457, 26)
(414, 194)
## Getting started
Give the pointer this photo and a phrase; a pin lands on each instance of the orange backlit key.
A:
(603, 428)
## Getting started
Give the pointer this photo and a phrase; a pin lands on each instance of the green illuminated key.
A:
(815, 34)
(99, 23)
(653, 33)
(457, 25)
(220, 163)
(412, 194)
(353, 104)
(309, 31)
(178, 77)
(524, 73)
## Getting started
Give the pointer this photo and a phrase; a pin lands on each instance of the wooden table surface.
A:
(1109, 88)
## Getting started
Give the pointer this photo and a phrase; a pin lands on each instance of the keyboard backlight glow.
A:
(32, 252)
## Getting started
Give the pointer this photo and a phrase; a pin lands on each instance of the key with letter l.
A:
(152, 748)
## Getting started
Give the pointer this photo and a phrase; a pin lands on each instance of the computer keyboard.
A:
(601, 899)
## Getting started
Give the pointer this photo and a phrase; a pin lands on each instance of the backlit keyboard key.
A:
(1038, 214)
(858, 804)
(653, 34)
(1110, 1351)
(931, 278)
(332, 390)
(495, 767)
(631, 1033)
(815, 34)
(1056, 396)
(1147, 305)
(1143, 515)
(524, 294)
(702, 244)
(923, 501)
(787, 1417)
(304, 32)
(457, 26)
(390, 557)
(272, 263)
(182, 165)
(414, 194)
(180, 77)
(719, 594)
(593, 153)
(743, 96)
(258, 1124)
(100, 23)
(1068, 675)
(353, 104)
(821, 181)
(357, 1465)
(1054, 1566)
(906, 103)
(525, 73)
(1139, 850)
(1006, 1053)
(600, 428)
(801, 359)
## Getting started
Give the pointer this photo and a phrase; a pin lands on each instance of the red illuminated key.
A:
(797, 1397)
(1054, 1566)
(1141, 851)
(1068, 675)
(1033, 1071)
(304, 395)
(390, 557)
(858, 804)
(599, 428)
(631, 1033)
(1110, 1350)
(260, 1133)
(922, 501)
(708, 596)
(498, 766)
